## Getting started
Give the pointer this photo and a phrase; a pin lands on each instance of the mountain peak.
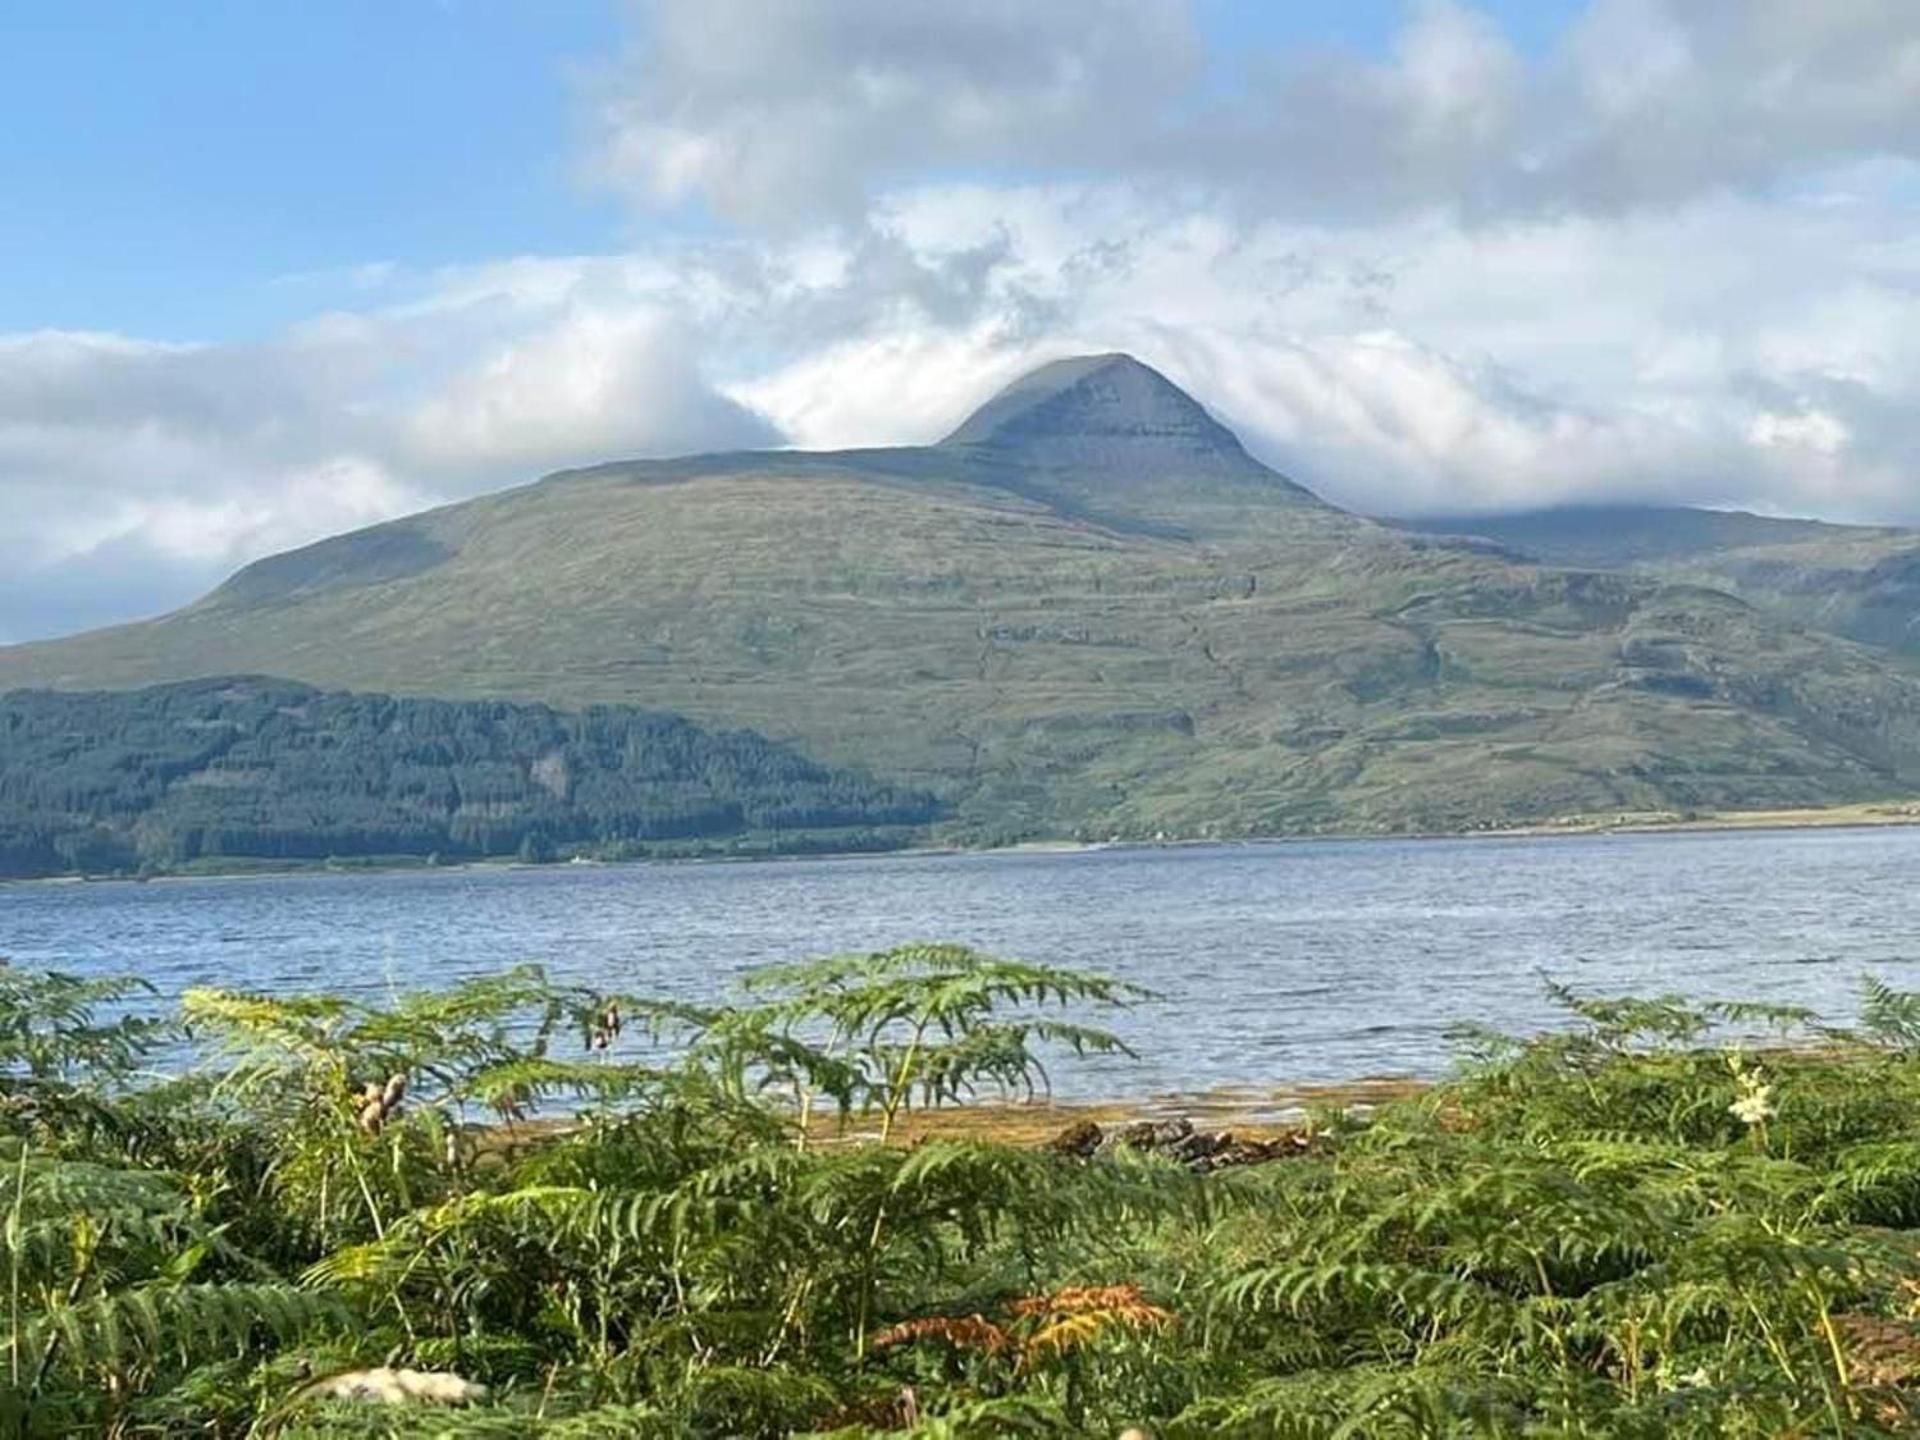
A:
(1099, 410)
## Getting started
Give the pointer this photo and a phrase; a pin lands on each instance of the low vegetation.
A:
(517, 1208)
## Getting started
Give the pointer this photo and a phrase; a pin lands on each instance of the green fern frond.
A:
(182, 1321)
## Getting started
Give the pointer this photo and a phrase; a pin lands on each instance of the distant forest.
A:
(257, 770)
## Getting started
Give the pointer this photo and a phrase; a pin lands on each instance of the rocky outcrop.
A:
(1201, 1151)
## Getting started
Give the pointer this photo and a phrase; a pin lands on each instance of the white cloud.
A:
(767, 113)
(1815, 431)
(1671, 98)
(595, 383)
(772, 111)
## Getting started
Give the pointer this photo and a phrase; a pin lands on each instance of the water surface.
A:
(1295, 962)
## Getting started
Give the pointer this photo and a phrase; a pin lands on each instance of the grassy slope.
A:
(1859, 581)
(1097, 648)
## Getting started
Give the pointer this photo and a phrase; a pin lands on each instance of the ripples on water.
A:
(1316, 961)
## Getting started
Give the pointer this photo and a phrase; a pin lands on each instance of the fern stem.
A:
(1834, 1349)
(15, 1216)
(896, 1093)
(74, 1288)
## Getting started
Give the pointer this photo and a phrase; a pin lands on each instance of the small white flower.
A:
(1755, 1107)
(383, 1386)
(1698, 1380)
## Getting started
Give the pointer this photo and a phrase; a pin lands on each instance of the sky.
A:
(269, 271)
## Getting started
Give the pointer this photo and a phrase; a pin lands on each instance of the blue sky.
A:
(274, 269)
(212, 170)
(169, 167)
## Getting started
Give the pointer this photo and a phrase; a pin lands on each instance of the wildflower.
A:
(1755, 1107)
(384, 1386)
(1697, 1379)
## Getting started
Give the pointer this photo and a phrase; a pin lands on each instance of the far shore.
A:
(1833, 817)
(1870, 815)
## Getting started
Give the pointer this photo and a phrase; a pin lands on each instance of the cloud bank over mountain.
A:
(774, 114)
(1670, 256)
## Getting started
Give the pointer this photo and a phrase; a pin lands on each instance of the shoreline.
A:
(1875, 815)
(1872, 815)
(1250, 1112)
(1259, 1111)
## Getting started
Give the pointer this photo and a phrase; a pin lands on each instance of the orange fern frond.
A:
(1083, 1327)
(1076, 1298)
(963, 1332)
(1081, 1314)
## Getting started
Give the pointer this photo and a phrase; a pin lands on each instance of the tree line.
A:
(268, 770)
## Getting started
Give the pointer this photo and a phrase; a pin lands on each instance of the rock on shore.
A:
(1201, 1151)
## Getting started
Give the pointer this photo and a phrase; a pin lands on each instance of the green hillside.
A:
(1088, 612)
(1859, 581)
(237, 770)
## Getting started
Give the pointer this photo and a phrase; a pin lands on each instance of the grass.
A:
(1859, 581)
(1895, 812)
(358, 1220)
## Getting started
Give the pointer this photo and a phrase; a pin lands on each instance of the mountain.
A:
(245, 769)
(1859, 581)
(1104, 430)
(1088, 611)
